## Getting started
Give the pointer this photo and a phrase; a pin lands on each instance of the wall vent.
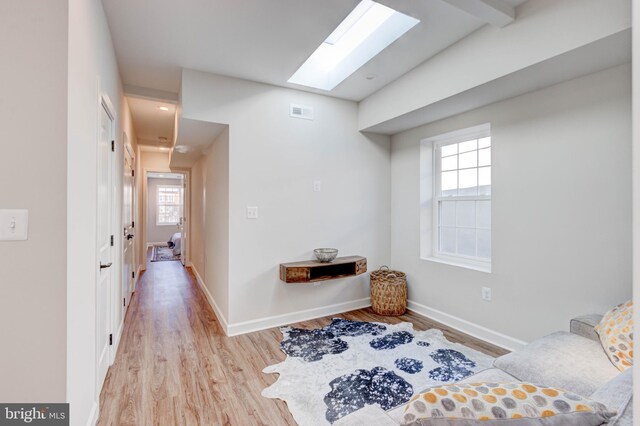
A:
(300, 111)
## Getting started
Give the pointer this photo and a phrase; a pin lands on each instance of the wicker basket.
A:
(388, 292)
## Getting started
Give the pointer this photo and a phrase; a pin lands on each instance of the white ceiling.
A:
(151, 123)
(266, 41)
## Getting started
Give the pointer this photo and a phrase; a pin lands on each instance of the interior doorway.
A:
(166, 224)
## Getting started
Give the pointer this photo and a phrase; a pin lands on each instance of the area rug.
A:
(333, 371)
(163, 254)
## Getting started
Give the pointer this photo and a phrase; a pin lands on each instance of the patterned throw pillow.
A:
(616, 335)
(502, 403)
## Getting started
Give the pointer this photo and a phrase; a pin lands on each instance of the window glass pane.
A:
(449, 183)
(484, 243)
(450, 163)
(483, 214)
(484, 176)
(466, 214)
(468, 159)
(448, 240)
(466, 242)
(468, 146)
(447, 150)
(484, 157)
(484, 142)
(468, 182)
(448, 213)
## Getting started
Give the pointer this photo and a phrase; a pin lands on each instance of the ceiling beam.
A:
(150, 94)
(494, 12)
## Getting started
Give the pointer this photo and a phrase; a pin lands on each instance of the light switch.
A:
(14, 225)
(317, 185)
(252, 212)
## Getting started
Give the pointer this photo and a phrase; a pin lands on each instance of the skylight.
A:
(364, 33)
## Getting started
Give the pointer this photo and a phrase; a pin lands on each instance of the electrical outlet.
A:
(14, 225)
(252, 212)
(317, 185)
(486, 294)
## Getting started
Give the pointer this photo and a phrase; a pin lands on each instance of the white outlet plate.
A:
(486, 294)
(14, 225)
(252, 212)
(317, 185)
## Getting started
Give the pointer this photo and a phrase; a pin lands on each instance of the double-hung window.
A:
(462, 199)
(169, 204)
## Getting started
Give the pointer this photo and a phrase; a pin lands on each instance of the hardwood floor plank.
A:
(175, 366)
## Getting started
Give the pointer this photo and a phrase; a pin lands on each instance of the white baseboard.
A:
(210, 299)
(138, 272)
(93, 414)
(293, 317)
(277, 320)
(475, 330)
(118, 336)
(159, 243)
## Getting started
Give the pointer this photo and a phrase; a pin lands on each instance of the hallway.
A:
(175, 366)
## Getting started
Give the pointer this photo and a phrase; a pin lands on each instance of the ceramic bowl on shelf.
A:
(325, 254)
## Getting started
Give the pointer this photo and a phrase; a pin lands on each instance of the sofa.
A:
(574, 361)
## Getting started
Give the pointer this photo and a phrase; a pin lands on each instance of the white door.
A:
(104, 284)
(184, 244)
(128, 262)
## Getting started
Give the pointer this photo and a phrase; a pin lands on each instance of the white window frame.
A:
(464, 135)
(180, 188)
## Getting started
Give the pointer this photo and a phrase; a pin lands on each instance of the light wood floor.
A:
(175, 366)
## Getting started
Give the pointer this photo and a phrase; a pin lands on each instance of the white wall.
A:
(33, 45)
(157, 233)
(561, 209)
(636, 182)
(197, 241)
(543, 29)
(154, 162)
(215, 198)
(92, 70)
(273, 161)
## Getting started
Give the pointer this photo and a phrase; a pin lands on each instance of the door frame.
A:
(186, 208)
(105, 102)
(128, 149)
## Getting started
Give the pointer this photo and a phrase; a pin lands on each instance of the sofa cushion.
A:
(503, 403)
(562, 360)
(366, 416)
(617, 394)
(488, 375)
(616, 335)
(584, 326)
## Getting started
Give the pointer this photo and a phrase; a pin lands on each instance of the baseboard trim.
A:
(212, 302)
(93, 414)
(158, 243)
(135, 281)
(472, 329)
(293, 317)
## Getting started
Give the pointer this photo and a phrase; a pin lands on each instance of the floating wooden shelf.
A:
(311, 270)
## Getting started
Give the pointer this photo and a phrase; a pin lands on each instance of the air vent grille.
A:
(300, 111)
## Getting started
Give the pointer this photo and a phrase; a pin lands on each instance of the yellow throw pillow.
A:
(508, 403)
(616, 335)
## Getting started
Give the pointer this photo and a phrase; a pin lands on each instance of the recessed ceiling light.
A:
(364, 33)
(163, 108)
(370, 76)
(162, 139)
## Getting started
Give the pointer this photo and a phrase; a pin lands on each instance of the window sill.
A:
(167, 224)
(460, 263)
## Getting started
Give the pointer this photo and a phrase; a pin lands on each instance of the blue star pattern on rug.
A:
(391, 341)
(365, 387)
(409, 365)
(332, 371)
(455, 366)
(312, 345)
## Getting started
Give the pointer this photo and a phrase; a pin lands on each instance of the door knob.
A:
(103, 266)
